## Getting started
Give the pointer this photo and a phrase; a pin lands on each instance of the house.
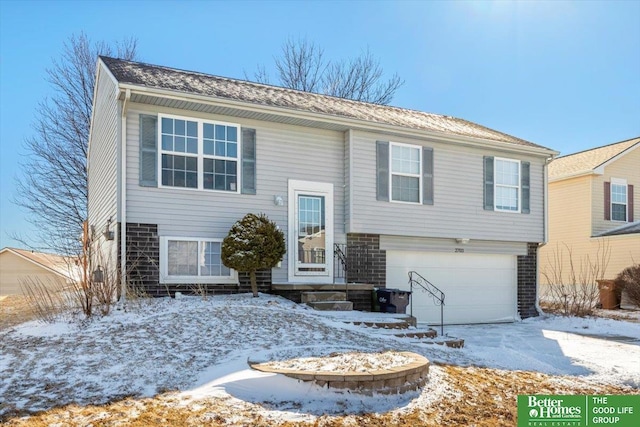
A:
(176, 157)
(19, 266)
(593, 212)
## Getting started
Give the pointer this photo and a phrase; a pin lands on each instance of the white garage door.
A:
(479, 288)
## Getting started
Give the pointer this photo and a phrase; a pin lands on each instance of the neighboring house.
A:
(179, 156)
(592, 209)
(19, 266)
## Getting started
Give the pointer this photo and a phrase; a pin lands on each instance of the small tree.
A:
(253, 243)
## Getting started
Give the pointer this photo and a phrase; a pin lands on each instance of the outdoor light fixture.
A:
(278, 200)
(98, 275)
(462, 241)
(108, 234)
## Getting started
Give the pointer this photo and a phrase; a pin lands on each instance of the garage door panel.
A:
(479, 288)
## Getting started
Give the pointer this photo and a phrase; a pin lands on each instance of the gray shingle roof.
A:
(631, 228)
(154, 76)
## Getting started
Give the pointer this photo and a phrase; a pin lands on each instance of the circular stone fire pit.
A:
(365, 373)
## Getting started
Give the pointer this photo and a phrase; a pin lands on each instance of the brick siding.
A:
(367, 262)
(143, 268)
(527, 278)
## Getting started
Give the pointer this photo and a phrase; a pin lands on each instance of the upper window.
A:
(507, 185)
(618, 200)
(199, 154)
(406, 170)
(189, 260)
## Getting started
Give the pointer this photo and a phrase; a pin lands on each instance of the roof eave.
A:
(573, 175)
(600, 168)
(46, 267)
(349, 123)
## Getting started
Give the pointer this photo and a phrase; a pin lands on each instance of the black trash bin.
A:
(393, 300)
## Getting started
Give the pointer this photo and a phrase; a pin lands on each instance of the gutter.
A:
(123, 198)
(545, 197)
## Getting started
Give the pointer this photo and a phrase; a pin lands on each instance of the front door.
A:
(310, 232)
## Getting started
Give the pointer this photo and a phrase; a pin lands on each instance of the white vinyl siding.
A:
(103, 162)
(283, 151)
(458, 194)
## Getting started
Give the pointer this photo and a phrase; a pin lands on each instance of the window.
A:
(618, 200)
(179, 153)
(406, 169)
(190, 260)
(507, 185)
(199, 154)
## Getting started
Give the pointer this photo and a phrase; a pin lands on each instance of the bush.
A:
(629, 281)
(571, 287)
(253, 243)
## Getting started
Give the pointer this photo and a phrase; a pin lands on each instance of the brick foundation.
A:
(527, 278)
(143, 258)
(367, 262)
(143, 268)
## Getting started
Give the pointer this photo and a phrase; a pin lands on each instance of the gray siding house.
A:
(176, 157)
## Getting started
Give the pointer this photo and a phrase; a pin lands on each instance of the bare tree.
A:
(302, 66)
(52, 186)
(360, 79)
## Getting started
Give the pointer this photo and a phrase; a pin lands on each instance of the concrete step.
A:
(448, 341)
(308, 297)
(332, 305)
(430, 333)
(400, 324)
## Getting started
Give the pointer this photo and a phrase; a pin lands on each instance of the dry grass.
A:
(487, 397)
(15, 309)
(480, 397)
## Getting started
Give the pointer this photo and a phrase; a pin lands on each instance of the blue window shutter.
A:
(488, 183)
(248, 161)
(525, 168)
(382, 169)
(427, 175)
(148, 151)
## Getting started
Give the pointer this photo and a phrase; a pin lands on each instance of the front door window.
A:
(311, 234)
(310, 247)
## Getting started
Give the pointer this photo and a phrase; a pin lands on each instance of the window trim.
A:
(496, 185)
(620, 182)
(200, 156)
(164, 263)
(419, 175)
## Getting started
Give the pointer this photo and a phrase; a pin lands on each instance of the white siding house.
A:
(177, 157)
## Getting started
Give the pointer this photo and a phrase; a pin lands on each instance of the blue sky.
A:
(565, 75)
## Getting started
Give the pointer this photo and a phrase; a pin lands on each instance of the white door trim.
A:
(312, 188)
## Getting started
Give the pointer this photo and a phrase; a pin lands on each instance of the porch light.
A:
(278, 200)
(462, 241)
(108, 234)
(98, 275)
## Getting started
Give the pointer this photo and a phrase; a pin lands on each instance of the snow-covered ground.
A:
(200, 348)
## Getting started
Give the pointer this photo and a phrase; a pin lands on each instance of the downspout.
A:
(545, 197)
(123, 197)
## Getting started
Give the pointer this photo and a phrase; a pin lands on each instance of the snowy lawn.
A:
(193, 353)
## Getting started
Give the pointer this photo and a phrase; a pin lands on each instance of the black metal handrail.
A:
(427, 286)
(339, 251)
